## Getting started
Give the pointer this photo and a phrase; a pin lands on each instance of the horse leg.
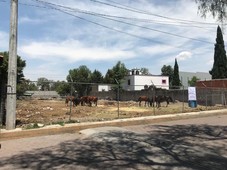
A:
(158, 104)
(167, 103)
(139, 103)
(66, 102)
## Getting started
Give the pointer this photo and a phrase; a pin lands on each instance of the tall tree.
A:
(193, 81)
(62, 87)
(219, 70)
(80, 77)
(3, 79)
(118, 72)
(96, 77)
(216, 7)
(167, 71)
(109, 77)
(43, 84)
(176, 80)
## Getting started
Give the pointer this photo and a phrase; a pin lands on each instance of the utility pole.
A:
(12, 69)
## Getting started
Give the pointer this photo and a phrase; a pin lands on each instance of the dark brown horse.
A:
(145, 99)
(163, 98)
(75, 100)
(89, 100)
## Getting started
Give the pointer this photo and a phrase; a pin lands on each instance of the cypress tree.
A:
(219, 70)
(176, 80)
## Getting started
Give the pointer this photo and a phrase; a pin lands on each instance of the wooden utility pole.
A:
(12, 68)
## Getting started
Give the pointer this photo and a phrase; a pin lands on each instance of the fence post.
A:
(70, 111)
(183, 101)
(118, 89)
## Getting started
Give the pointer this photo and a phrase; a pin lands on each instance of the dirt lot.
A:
(56, 112)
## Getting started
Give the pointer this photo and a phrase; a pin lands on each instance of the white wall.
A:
(137, 82)
(103, 87)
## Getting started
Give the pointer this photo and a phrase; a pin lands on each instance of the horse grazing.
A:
(74, 100)
(145, 99)
(163, 98)
(89, 100)
(93, 99)
(69, 98)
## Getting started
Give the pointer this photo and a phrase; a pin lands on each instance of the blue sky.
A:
(55, 36)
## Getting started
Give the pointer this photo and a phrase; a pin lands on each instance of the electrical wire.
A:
(124, 7)
(100, 15)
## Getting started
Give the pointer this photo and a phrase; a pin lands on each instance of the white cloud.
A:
(72, 51)
(55, 39)
(26, 20)
(184, 55)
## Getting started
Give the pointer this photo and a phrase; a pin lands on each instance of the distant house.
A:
(100, 87)
(135, 80)
(42, 94)
(186, 76)
(104, 87)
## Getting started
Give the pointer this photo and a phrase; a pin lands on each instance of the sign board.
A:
(191, 93)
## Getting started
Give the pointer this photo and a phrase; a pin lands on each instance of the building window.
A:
(163, 81)
(129, 83)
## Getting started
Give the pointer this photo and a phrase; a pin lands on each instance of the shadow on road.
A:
(161, 147)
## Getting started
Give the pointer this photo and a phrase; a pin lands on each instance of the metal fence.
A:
(114, 102)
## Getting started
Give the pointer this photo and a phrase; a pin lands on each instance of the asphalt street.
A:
(198, 143)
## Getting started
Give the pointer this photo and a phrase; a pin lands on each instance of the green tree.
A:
(96, 77)
(216, 7)
(176, 80)
(193, 81)
(43, 84)
(144, 71)
(62, 87)
(167, 71)
(25, 85)
(3, 79)
(109, 77)
(80, 77)
(219, 70)
(118, 72)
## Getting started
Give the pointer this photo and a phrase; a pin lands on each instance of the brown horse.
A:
(89, 100)
(93, 99)
(163, 98)
(69, 98)
(145, 99)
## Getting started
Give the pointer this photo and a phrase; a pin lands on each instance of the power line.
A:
(124, 7)
(172, 23)
(162, 22)
(100, 15)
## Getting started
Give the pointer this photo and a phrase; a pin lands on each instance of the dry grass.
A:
(52, 111)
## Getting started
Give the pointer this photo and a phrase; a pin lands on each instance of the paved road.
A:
(198, 144)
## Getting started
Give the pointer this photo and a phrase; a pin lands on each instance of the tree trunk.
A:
(2, 103)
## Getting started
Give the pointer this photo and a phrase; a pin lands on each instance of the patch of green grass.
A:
(32, 126)
(62, 123)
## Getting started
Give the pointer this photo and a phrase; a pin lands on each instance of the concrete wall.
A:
(137, 82)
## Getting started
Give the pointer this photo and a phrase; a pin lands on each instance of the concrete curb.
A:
(76, 127)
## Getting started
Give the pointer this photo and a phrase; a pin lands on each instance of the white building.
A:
(103, 87)
(135, 80)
